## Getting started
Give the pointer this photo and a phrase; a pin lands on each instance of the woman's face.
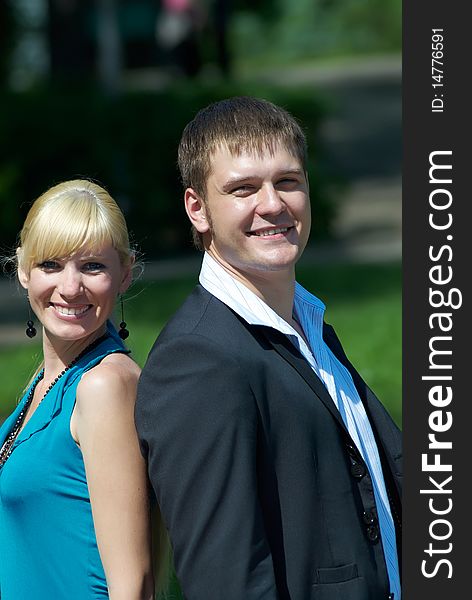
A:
(74, 296)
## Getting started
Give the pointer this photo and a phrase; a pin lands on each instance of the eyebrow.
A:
(230, 183)
(92, 257)
(66, 258)
(293, 172)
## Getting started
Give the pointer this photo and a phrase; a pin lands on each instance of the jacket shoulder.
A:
(203, 315)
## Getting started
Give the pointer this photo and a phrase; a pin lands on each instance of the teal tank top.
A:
(48, 548)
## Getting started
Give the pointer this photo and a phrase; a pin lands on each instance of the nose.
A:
(70, 284)
(270, 201)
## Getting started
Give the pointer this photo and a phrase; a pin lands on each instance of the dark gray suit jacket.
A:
(260, 485)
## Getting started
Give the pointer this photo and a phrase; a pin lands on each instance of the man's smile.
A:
(270, 232)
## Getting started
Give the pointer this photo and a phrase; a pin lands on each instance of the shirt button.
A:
(358, 470)
(372, 533)
(352, 450)
(372, 525)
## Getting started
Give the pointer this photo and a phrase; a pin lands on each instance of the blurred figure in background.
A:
(184, 27)
(177, 30)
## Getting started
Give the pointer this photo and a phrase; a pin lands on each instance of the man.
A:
(275, 467)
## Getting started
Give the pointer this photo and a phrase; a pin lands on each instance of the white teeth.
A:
(271, 231)
(71, 311)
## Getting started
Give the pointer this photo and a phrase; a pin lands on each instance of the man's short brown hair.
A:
(241, 124)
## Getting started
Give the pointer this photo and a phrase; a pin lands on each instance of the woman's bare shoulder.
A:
(113, 382)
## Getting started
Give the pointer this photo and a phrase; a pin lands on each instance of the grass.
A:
(363, 305)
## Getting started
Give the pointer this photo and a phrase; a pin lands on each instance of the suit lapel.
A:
(287, 350)
(384, 429)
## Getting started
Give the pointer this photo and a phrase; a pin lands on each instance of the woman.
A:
(74, 510)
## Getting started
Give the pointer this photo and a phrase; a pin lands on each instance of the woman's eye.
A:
(93, 266)
(48, 265)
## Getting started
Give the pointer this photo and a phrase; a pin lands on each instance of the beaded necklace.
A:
(7, 447)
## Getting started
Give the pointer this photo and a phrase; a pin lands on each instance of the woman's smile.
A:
(71, 311)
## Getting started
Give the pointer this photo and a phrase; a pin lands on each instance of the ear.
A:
(23, 277)
(127, 276)
(196, 211)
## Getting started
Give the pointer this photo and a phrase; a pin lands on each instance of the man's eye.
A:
(93, 266)
(287, 182)
(242, 190)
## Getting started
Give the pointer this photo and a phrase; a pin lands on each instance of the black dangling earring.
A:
(30, 329)
(123, 333)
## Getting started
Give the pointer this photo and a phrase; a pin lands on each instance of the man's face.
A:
(258, 211)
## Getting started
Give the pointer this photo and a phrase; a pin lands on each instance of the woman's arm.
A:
(103, 426)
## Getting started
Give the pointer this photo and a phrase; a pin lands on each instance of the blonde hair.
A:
(71, 215)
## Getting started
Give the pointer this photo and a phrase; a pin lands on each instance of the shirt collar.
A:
(216, 280)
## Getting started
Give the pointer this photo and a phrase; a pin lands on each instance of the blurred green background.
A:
(103, 88)
(362, 304)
